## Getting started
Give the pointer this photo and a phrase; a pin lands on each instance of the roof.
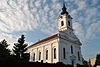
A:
(48, 38)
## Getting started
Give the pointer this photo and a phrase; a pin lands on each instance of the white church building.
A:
(61, 47)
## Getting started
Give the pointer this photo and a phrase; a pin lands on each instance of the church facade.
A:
(61, 47)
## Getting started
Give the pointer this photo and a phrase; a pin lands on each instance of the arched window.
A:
(39, 55)
(78, 56)
(69, 23)
(46, 54)
(62, 23)
(72, 62)
(64, 53)
(72, 49)
(54, 53)
(33, 56)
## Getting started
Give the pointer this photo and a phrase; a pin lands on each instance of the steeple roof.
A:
(64, 9)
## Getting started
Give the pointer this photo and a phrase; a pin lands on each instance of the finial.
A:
(64, 8)
(63, 3)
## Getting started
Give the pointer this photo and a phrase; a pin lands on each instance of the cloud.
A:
(26, 15)
(13, 15)
(9, 38)
(37, 3)
(12, 38)
(91, 11)
(46, 8)
(69, 0)
(79, 31)
(55, 1)
(94, 2)
(92, 30)
(73, 12)
(81, 4)
(88, 20)
(41, 15)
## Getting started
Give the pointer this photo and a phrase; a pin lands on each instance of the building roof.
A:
(48, 38)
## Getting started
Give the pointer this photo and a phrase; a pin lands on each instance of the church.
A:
(62, 47)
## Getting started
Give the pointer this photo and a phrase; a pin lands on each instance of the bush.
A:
(78, 65)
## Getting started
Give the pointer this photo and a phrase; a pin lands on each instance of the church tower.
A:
(65, 20)
(69, 44)
(65, 24)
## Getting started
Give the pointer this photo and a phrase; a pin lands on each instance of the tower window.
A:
(62, 23)
(72, 49)
(78, 56)
(46, 54)
(39, 55)
(64, 53)
(61, 17)
(69, 23)
(54, 53)
(33, 56)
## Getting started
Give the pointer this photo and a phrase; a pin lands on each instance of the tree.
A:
(97, 59)
(20, 50)
(4, 51)
(89, 63)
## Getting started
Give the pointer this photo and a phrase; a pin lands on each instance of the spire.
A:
(64, 9)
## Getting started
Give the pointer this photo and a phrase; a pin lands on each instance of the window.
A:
(69, 23)
(62, 23)
(72, 49)
(54, 53)
(61, 17)
(39, 55)
(46, 54)
(64, 53)
(72, 62)
(33, 56)
(78, 56)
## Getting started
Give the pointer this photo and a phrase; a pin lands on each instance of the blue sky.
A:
(37, 19)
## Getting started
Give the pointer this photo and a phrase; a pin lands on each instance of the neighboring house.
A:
(92, 61)
(61, 47)
(95, 60)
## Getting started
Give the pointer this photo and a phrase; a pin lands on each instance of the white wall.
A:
(48, 45)
(67, 45)
(59, 44)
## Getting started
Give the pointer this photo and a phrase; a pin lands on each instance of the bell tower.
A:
(64, 20)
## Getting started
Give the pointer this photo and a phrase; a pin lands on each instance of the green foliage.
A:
(4, 52)
(97, 59)
(20, 50)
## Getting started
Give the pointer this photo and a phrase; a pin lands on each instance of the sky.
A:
(37, 19)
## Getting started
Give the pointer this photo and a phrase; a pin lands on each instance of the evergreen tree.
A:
(20, 50)
(97, 59)
(4, 51)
